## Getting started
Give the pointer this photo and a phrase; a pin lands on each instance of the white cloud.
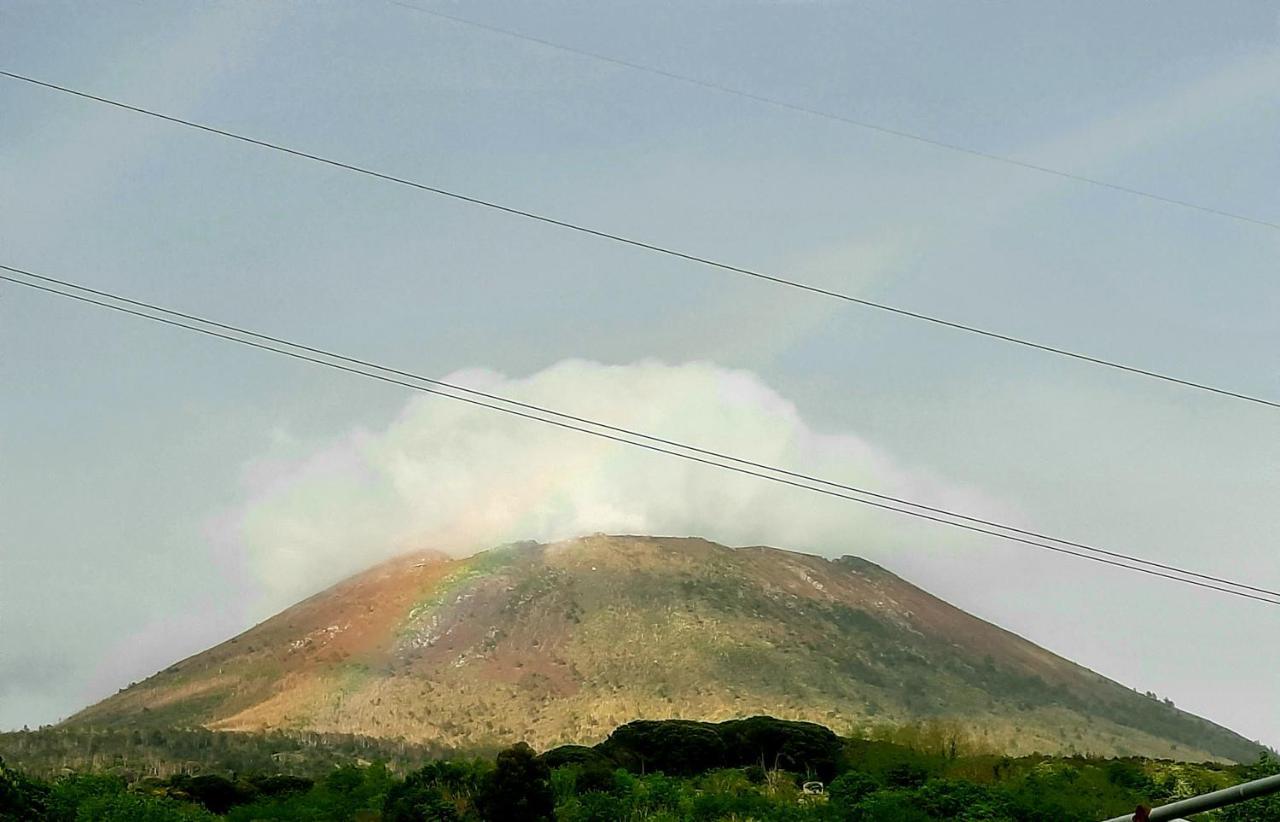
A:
(455, 477)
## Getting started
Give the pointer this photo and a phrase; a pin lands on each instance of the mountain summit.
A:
(561, 642)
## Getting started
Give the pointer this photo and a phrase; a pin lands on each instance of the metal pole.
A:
(1209, 801)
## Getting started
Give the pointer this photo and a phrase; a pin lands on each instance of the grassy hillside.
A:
(559, 643)
(163, 752)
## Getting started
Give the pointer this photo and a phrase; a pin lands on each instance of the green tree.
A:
(594, 807)
(850, 788)
(519, 789)
(906, 775)
(1264, 809)
(659, 793)
(595, 777)
(891, 806)
(674, 746)
(1128, 774)
(20, 797)
(962, 801)
(70, 792)
(132, 807)
(416, 800)
(216, 793)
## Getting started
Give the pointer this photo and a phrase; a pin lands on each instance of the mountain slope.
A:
(559, 643)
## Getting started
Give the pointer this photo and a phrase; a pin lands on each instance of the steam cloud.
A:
(454, 477)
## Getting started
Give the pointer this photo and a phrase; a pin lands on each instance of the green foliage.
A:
(216, 793)
(892, 763)
(659, 793)
(20, 797)
(1127, 773)
(414, 802)
(673, 746)
(850, 788)
(1265, 809)
(436, 791)
(280, 784)
(574, 755)
(596, 778)
(69, 793)
(343, 794)
(906, 775)
(686, 747)
(739, 777)
(890, 806)
(134, 753)
(133, 807)
(594, 807)
(801, 747)
(519, 788)
(962, 801)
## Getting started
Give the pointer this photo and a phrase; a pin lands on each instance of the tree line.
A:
(759, 768)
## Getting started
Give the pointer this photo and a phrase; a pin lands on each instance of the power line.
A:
(828, 115)
(777, 280)
(274, 344)
(627, 431)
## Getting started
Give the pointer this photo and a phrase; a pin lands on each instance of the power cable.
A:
(777, 280)
(619, 439)
(828, 115)
(629, 432)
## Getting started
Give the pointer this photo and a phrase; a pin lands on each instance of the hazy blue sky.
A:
(151, 481)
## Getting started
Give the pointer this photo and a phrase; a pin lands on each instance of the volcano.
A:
(559, 643)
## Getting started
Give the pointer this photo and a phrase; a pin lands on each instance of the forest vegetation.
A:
(748, 769)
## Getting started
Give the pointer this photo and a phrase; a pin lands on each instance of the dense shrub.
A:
(674, 746)
(414, 801)
(575, 755)
(890, 806)
(133, 807)
(850, 788)
(20, 798)
(519, 788)
(215, 793)
(906, 775)
(596, 778)
(68, 794)
(685, 747)
(280, 784)
(1128, 774)
(719, 771)
(801, 747)
(1266, 809)
(962, 801)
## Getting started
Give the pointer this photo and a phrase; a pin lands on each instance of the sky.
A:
(160, 491)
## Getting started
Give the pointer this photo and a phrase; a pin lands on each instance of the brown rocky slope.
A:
(562, 642)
